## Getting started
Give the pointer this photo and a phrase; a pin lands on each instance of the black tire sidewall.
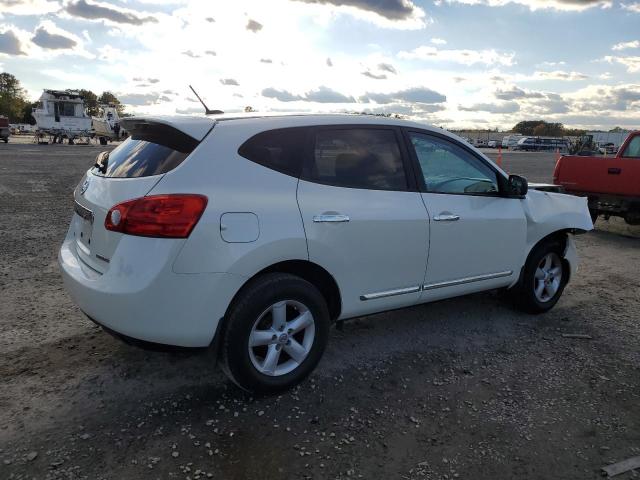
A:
(252, 302)
(528, 296)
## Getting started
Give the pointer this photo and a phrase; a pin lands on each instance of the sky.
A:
(452, 63)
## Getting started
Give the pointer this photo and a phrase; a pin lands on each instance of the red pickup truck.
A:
(611, 183)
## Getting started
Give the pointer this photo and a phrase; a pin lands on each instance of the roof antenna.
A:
(206, 109)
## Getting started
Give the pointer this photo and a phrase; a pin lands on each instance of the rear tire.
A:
(543, 279)
(275, 333)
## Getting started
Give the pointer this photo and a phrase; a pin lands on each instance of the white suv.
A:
(254, 234)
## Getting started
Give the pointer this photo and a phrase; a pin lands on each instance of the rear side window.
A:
(281, 149)
(138, 158)
(357, 158)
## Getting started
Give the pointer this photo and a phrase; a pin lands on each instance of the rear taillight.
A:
(166, 216)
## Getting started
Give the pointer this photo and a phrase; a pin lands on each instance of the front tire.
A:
(275, 333)
(543, 279)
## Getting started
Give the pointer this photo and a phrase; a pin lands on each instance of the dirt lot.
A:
(465, 388)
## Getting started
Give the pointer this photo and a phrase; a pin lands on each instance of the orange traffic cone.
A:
(499, 159)
(557, 154)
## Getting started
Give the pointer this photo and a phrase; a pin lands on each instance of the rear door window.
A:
(367, 158)
(138, 158)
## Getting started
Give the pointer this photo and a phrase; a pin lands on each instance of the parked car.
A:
(607, 148)
(611, 183)
(542, 144)
(510, 141)
(493, 144)
(253, 235)
(4, 129)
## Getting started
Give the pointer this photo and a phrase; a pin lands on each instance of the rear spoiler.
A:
(182, 135)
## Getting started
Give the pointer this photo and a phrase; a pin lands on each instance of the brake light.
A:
(165, 216)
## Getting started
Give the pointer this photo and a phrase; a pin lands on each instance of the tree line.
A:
(15, 105)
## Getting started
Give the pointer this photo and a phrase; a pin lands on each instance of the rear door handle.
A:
(446, 217)
(331, 218)
(614, 171)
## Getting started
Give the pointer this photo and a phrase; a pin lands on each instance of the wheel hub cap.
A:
(281, 338)
(548, 276)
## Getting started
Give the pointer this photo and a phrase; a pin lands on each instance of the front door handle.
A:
(614, 171)
(446, 217)
(331, 218)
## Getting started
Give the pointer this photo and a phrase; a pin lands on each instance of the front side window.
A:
(633, 149)
(364, 158)
(448, 168)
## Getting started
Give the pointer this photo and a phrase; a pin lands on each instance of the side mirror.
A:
(518, 186)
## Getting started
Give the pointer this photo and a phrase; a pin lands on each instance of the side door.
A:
(477, 236)
(364, 219)
(623, 172)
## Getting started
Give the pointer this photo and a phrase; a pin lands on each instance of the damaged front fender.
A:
(549, 212)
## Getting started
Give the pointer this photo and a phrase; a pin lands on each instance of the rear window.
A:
(138, 158)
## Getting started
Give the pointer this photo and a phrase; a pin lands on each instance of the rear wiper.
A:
(102, 160)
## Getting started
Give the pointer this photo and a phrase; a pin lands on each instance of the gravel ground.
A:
(464, 388)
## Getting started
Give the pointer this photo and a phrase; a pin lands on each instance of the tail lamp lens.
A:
(162, 216)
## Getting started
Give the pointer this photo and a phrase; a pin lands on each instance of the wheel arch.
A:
(562, 237)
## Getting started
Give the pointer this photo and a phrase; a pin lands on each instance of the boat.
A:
(106, 126)
(61, 114)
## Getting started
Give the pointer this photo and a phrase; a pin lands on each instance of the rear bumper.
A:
(140, 297)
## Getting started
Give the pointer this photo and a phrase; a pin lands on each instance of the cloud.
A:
(565, 5)
(281, 95)
(253, 26)
(386, 13)
(412, 95)
(320, 95)
(153, 80)
(28, 7)
(632, 63)
(329, 62)
(510, 93)
(387, 67)
(210, 53)
(625, 45)
(438, 41)
(140, 99)
(229, 81)
(103, 11)
(266, 60)
(602, 98)
(561, 75)
(326, 95)
(191, 54)
(53, 41)
(632, 7)
(10, 43)
(504, 107)
(389, 9)
(381, 76)
(464, 57)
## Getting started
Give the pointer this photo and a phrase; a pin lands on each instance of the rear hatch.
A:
(155, 147)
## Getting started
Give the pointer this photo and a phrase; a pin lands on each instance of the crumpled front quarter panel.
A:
(549, 212)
